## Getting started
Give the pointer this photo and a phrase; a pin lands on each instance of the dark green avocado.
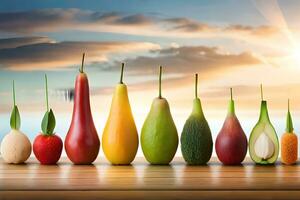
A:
(196, 140)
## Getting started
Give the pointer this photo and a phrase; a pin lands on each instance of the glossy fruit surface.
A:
(120, 137)
(47, 149)
(159, 138)
(231, 142)
(82, 143)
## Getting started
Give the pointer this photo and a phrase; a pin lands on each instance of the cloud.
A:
(53, 20)
(54, 55)
(180, 63)
(190, 59)
(259, 31)
(8, 43)
(187, 25)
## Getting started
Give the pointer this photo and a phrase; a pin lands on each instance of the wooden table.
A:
(143, 181)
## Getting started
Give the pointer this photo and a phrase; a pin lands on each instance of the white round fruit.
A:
(15, 147)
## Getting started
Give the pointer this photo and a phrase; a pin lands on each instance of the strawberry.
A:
(47, 146)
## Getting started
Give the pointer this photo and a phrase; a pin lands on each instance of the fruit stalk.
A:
(261, 92)
(15, 121)
(122, 72)
(82, 62)
(196, 86)
(14, 93)
(14, 99)
(289, 122)
(231, 110)
(159, 84)
(46, 91)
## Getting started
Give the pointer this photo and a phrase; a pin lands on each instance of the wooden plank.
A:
(149, 195)
(141, 180)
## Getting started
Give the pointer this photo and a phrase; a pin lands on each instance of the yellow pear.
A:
(120, 137)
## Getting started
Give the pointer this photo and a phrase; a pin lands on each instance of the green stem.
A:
(160, 74)
(46, 87)
(196, 86)
(261, 92)
(122, 71)
(82, 62)
(231, 110)
(14, 93)
(289, 121)
(14, 97)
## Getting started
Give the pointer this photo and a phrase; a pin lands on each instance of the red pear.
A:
(231, 142)
(82, 142)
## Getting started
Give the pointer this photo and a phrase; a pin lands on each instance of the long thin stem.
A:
(14, 93)
(14, 97)
(196, 86)
(261, 92)
(46, 87)
(289, 121)
(82, 62)
(122, 71)
(231, 104)
(160, 74)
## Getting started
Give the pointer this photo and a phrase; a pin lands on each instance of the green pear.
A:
(159, 137)
(196, 140)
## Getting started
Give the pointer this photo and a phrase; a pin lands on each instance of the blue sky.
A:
(231, 43)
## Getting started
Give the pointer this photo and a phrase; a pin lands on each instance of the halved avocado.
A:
(263, 126)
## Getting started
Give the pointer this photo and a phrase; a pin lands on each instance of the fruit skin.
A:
(289, 148)
(289, 142)
(196, 140)
(159, 138)
(263, 125)
(231, 143)
(15, 147)
(47, 149)
(82, 143)
(120, 137)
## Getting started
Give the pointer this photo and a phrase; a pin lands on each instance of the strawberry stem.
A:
(46, 91)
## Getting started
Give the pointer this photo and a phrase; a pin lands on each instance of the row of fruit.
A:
(159, 137)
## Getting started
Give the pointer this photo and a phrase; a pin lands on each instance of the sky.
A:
(231, 43)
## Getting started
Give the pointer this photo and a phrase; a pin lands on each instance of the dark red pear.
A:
(82, 142)
(231, 142)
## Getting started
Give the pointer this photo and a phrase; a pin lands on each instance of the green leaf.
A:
(289, 121)
(15, 119)
(48, 123)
